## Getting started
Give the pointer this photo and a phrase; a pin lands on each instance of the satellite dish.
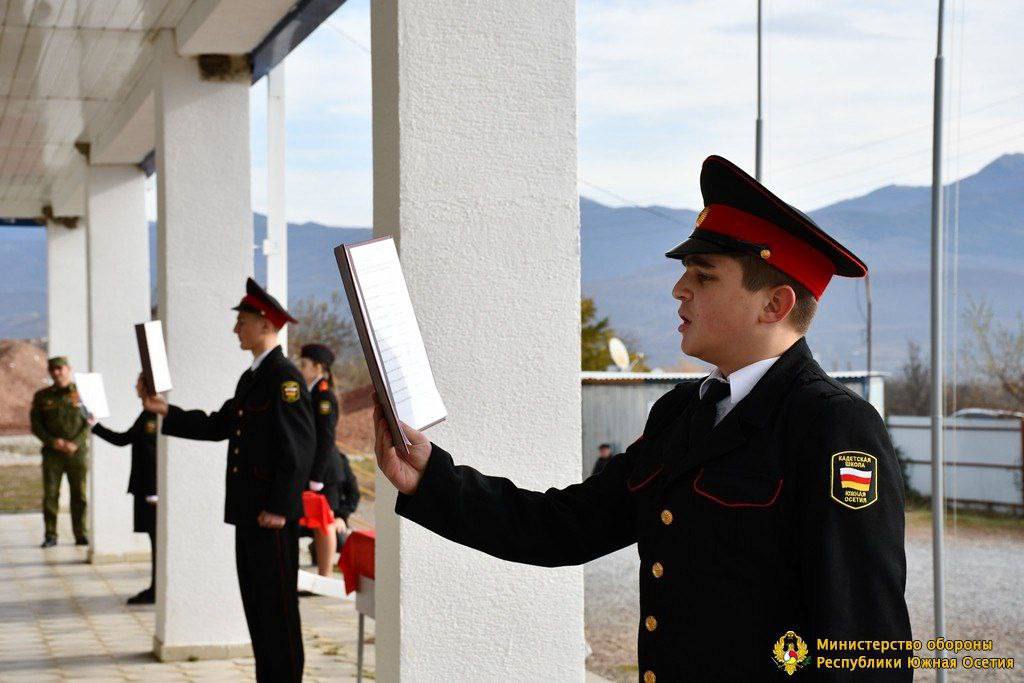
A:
(620, 356)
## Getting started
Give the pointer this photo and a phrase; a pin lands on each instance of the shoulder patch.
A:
(325, 407)
(854, 479)
(322, 386)
(290, 391)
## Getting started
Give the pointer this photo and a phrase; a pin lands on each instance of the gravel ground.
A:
(984, 597)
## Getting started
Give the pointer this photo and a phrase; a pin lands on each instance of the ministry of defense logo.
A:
(791, 653)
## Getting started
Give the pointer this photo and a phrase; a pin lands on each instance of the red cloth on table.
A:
(357, 558)
(318, 511)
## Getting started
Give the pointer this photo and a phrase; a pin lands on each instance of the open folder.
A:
(153, 355)
(390, 336)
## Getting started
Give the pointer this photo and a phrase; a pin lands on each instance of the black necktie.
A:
(703, 419)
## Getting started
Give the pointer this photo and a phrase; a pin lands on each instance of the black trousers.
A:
(268, 564)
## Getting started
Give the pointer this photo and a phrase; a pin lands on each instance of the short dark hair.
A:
(758, 275)
(604, 445)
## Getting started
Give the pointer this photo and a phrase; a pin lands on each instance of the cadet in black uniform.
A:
(330, 474)
(766, 499)
(269, 427)
(141, 482)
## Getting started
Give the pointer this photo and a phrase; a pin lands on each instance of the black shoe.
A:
(84, 540)
(49, 542)
(146, 597)
(305, 594)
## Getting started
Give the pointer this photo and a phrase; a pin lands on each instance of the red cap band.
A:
(276, 317)
(792, 256)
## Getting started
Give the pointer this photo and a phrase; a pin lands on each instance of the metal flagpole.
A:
(937, 403)
(757, 125)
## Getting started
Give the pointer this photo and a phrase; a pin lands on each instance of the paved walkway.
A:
(65, 619)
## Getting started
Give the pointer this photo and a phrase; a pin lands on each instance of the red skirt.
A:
(318, 513)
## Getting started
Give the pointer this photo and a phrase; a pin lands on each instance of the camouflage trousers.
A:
(55, 466)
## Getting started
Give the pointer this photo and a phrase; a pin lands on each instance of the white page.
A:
(91, 393)
(396, 334)
(157, 355)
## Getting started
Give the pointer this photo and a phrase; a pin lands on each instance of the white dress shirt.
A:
(740, 383)
(259, 359)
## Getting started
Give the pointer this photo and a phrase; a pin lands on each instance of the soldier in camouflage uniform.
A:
(59, 422)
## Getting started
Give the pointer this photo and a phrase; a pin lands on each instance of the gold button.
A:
(238, 432)
(236, 450)
(766, 253)
(649, 677)
(651, 623)
(666, 517)
(234, 470)
(657, 569)
(240, 413)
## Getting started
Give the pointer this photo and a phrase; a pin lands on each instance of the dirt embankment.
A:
(355, 426)
(22, 373)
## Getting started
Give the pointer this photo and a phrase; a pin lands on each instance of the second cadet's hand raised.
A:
(404, 473)
(155, 403)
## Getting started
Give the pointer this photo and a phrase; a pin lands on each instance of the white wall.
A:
(475, 174)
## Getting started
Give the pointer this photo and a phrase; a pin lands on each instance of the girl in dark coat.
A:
(141, 482)
(330, 474)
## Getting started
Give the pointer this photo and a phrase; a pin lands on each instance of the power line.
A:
(632, 204)
(346, 36)
(909, 131)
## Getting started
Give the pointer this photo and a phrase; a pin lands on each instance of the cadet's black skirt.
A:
(144, 515)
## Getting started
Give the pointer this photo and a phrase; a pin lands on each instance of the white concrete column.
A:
(275, 247)
(118, 253)
(474, 136)
(67, 303)
(67, 306)
(204, 244)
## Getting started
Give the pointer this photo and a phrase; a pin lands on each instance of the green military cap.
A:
(56, 362)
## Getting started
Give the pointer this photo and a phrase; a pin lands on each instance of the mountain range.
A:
(624, 269)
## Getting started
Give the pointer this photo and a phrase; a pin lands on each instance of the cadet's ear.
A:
(779, 304)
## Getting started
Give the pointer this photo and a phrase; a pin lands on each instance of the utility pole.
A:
(937, 403)
(758, 125)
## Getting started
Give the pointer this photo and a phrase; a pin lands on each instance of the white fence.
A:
(984, 459)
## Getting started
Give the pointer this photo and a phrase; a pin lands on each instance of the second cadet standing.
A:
(141, 483)
(268, 424)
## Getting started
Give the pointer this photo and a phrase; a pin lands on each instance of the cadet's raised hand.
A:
(154, 403)
(404, 473)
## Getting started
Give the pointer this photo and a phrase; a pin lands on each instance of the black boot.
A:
(48, 542)
(146, 597)
(82, 540)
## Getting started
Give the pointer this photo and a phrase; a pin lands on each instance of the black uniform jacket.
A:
(326, 461)
(747, 536)
(330, 466)
(269, 427)
(142, 437)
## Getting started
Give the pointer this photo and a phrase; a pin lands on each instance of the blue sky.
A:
(664, 83)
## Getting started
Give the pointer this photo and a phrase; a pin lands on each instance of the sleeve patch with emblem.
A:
(325, 407)
(290, 391)
(151, 426)
(854, 479)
